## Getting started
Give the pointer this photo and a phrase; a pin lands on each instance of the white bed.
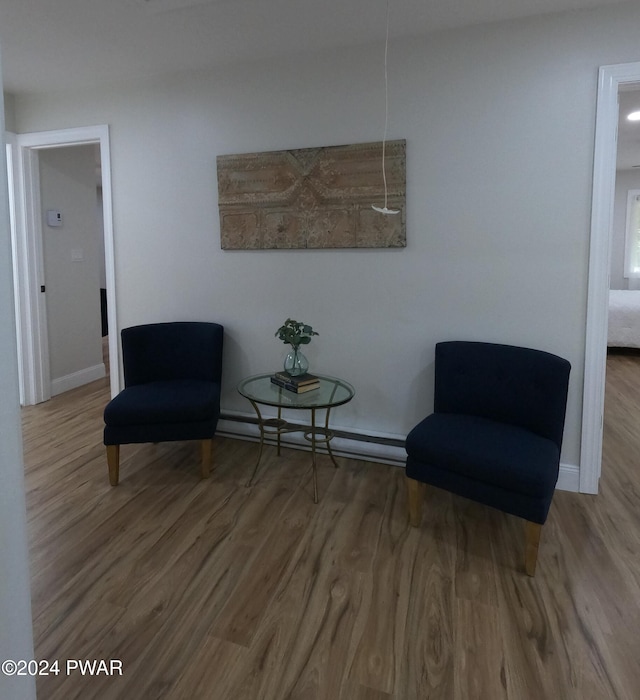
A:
(624, 318)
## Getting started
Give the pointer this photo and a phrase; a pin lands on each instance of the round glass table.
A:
(260, 390)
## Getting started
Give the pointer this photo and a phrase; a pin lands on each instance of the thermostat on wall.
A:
(54, 218)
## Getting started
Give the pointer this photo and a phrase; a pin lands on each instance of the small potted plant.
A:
(295, 333)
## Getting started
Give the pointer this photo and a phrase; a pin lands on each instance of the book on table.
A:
(297, 379)
(299, 384)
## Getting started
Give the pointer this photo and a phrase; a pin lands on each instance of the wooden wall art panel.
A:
(312, 198)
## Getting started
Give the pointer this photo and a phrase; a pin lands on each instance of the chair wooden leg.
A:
(532, 535)
(207, 451)
(113, 460)
(415, 490)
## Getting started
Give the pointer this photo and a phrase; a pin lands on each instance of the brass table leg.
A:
(261, 426)
(311, 435)
(329, 436)
(279, 421)
(313, 455)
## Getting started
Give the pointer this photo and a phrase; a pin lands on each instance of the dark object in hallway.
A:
(103, 312)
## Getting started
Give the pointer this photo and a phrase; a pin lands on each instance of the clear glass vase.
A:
(295, 362)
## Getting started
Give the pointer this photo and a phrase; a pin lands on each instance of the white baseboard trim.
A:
(568, 478)
(75, 379)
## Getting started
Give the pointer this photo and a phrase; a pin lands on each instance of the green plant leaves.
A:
(295, 333)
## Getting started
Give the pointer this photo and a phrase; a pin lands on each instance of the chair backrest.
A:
(505, 383)
(167, 351)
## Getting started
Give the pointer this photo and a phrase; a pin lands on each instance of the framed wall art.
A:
(313, 198)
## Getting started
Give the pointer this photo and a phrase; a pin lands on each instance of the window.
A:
(632, 245)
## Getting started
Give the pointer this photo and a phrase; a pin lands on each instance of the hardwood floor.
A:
(207, 590)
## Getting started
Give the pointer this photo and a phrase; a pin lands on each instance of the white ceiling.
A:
(55, 45)
(52, 45)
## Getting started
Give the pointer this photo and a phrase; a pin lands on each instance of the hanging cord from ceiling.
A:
(385, 209)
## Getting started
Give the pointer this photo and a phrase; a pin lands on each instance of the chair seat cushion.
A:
(164, 402)
(480, 449)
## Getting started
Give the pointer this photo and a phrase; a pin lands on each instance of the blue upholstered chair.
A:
(172, 374)
(495, 433)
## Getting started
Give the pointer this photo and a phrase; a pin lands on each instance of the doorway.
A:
(29, 263)
(73, 253)
(610, 81)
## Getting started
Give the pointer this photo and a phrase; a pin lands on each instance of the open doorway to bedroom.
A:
(621, 423)
(612, 80)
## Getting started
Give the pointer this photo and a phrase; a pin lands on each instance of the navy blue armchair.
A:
(172, 374)
(495, 434)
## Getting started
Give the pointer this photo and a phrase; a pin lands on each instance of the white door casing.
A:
(604, 173)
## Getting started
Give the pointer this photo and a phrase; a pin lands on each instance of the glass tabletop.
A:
(331, 392)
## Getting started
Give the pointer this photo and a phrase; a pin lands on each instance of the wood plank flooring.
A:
(207, 590)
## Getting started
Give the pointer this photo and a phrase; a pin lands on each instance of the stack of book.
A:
(299, 384)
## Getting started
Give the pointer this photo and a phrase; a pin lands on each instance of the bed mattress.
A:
(624, 318)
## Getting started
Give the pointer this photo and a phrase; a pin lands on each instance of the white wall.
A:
(499, 123)
(9, 113)
(68, 184)
(15, 601)
(625, 180)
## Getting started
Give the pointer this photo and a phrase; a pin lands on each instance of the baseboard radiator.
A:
(354, 445)
(377, 448)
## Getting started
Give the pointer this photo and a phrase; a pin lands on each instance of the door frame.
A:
(11, 145)
(610, 78)
(29, 265)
